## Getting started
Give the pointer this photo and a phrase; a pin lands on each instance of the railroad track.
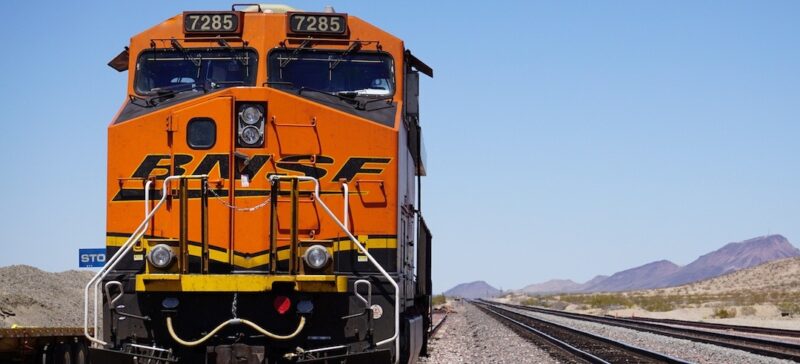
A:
(572, 345)
(437, 325)
(716, 326)
(771, 348)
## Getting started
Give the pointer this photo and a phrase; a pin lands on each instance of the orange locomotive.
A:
(263, 195)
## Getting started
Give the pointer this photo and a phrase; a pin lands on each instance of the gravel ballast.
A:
(471, 336)
(33, 297)
(678, 348)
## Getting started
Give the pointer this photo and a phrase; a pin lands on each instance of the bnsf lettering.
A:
(159, 166)
(355, 166)
(213, 160)
(151, 164)
(293, 163)
(252, 167)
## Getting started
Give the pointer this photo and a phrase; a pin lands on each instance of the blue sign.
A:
(91, 258)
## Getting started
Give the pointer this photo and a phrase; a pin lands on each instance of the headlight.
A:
(316, 256)
(250, 124)
(251, 114)
(161, 256)
(251, 135)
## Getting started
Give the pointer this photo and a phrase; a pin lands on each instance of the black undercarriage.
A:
(341, 321)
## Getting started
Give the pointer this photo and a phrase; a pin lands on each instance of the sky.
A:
(565, 139)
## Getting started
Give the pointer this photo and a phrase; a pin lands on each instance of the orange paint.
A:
(294, 126)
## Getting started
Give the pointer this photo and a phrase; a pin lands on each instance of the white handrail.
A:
(140, 230)
(346, 205)
(111, 263)
(369, 257)
(147, 201)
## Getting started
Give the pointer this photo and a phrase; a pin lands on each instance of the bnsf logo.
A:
(160, 166)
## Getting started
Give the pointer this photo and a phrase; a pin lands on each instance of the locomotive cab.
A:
(263, 194)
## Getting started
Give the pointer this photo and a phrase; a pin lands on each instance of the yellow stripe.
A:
(263, 258)
(116, 241)
(370, 243)
(236, 282)
(250, 262)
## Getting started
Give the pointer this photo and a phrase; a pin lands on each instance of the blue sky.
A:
(565, 139)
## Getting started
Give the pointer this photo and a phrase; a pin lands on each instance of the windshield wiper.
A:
(279, 83)
(362, 105)
(238, 57)
(178, 47)
(135, 98)
(348, 96)
(344, 97)
(300, 90)
(216, 84)
(306, 43)
(355, 47)
(159, 94)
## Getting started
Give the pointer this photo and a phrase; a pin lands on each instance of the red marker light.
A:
(282, 304)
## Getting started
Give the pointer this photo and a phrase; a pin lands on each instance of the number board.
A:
(212, 22)
(317, 23)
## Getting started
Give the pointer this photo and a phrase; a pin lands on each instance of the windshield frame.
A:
(148, 51)
(275, 84)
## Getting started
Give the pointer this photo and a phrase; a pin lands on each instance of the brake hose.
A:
(233, 321)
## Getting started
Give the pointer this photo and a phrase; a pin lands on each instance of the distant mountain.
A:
(730, 258)
(733, 257)
(645, 276)
(477, 289)
(594, 281)
(781, 276)
(553, 286)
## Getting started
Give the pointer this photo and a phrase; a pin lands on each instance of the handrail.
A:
(366, 253)
(115, 259)
(147, 201)
(140, 230)
(346, 204)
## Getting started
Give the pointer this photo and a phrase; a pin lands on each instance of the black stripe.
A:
(136, 194)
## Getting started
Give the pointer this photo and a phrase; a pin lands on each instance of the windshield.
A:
(171, 70)
(357, 74)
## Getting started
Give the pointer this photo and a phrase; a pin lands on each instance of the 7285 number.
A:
(211, 23)
(303, 23)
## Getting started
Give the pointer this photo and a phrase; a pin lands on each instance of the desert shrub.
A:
(531, 301)
(748, 311)
(791, 308)
(656, 303)
(609, 300)
(439, 299)
(723, 312)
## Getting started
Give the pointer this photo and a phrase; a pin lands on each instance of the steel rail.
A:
(771, 348)
(635, 352)
(717, 326)
(436, 327)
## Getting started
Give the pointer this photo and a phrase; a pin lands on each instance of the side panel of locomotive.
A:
(248, 184)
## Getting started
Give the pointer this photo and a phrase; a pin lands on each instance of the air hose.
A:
(233, 321)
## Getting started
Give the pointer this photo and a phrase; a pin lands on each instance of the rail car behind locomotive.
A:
(263, 196)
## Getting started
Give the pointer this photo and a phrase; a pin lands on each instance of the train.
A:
(264, 194)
